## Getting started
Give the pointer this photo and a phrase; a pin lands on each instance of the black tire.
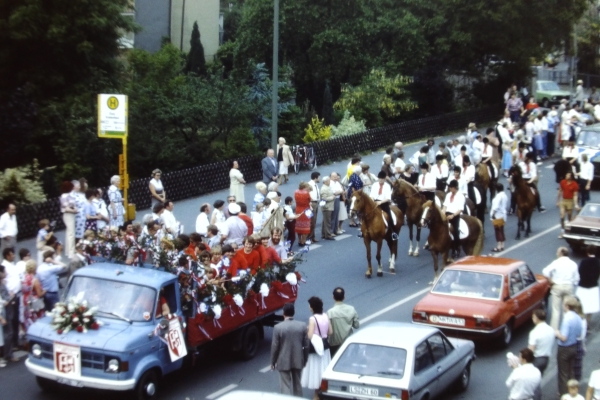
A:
(462, 383)
(147, 386)
(45, 384)
(507, 333)
(250, 339)
(296, 165)
(312, 164)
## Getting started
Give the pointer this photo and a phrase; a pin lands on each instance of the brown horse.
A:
(406, 193)
(439, 238)
(374, 229)
(526, 198)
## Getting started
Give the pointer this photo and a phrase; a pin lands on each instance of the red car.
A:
(483, 297)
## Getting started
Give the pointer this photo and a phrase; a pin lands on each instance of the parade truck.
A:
(123, 328)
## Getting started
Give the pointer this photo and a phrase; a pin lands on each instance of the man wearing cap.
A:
(453, 208)
(530, 175)
(381, 193)
(234, 229)
(440, 172)
(426, 183)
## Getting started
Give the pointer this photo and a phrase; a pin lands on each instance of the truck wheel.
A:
(147, 386)
(46, 384)
(250, 341)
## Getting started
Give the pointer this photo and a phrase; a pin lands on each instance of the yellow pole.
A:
(125, 178)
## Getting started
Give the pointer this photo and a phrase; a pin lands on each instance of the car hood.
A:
(462, 306)
(110, 336)
(585, 222)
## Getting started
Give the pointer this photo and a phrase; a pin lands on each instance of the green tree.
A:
(327, 113)
(21, 185)
(196, 64)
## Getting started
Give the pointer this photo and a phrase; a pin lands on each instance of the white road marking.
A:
(265, 369)
(314, 247)
(341, 237)
(222, 391)
(532, 238)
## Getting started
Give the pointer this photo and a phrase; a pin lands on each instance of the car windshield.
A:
(115, 299)
(478, 285)
(588, 139)
(372, 360)
(590, 210)
(548, 86)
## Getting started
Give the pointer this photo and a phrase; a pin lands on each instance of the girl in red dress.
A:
(302, 198)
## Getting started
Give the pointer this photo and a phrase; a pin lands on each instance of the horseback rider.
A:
(453, 207)
(440, 171)
(462, 186)
(468, 174)
(381, 193)
(486, 157)
(426, 183)
(530, 175)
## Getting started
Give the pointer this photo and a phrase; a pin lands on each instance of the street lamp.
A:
(275, 80)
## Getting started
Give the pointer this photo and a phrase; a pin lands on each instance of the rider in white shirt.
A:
(399, 164)
(381, 193)
(426, 183)
(530, 174)
(440, 172)
(486, 156)
(453, 208)
(468, 174)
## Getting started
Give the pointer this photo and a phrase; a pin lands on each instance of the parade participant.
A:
(426, 183)
(518, 156)
(567, 199)
(234, 229)
(440, 172)
(276, 243)
(270, 254)
(571, 154)
(251, 255)
(454, 203)
(530, 175)
(381, 193)
(468, 174)
(486, 157)
(498, 216)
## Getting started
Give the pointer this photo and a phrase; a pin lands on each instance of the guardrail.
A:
(207, 178)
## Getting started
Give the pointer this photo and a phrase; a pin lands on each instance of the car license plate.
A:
(440, 319)
(69, 382)
(363, 390)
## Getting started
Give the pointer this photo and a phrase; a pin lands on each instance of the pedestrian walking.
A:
(289, 351)
(319, 326)
(8, 227)
(588, 292)
(525, 377)
(343, 318)
(567, 199)
(563, 274)
(570, 330)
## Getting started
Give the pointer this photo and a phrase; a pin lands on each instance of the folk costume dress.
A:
(302, 198)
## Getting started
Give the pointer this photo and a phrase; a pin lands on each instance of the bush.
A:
(316, 131)
(348, 126)
(21, 185)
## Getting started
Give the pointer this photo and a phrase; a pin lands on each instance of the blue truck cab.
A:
(125, 353)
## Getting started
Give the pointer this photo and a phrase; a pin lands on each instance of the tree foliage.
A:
(316, 130)
(348, 126)
(21, 185)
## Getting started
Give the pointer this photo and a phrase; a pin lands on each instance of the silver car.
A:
(397, 360)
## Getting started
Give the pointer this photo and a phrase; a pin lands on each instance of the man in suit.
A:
(289, 351)
(269, 167)
(284, 160)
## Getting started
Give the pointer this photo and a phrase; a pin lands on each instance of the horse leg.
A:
(528, 231)
(378, 257)
(393, 245)
(519, 224)
(368, 246)
(418, 242)
(434, 254)
(410, 239)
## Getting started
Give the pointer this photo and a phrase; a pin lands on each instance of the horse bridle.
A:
(425, 220)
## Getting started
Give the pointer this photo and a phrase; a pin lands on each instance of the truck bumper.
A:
(82, 381)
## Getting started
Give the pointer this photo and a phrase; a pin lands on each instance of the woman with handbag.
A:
(33, 295)
(498, 216)
(318, 328)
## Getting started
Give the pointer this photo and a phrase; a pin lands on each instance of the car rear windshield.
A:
(588, 139)
(590, 210)
(478, 285)
(548, 86)
(115, 299)
(372, 360)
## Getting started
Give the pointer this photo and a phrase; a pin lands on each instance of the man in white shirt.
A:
(315, 198)
(381, 193)
(454, 204)
(203, 221)
(477, 148)
(426, 183)
(234, 229)
(541, 340)
(337, 189)
(171, 224)
(586, 175)
(8, 227)
(399, 164)
(462, 185)
(13, 285)
(564, 275)
(440, 172)
(525, 378)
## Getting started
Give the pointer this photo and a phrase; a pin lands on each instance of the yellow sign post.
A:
(112, 124)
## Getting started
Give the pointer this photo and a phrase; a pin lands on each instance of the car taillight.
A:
(324, 385)
(483, 322)
(404, 395)
(419, 316)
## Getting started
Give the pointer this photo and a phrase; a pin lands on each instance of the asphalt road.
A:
(391, 297)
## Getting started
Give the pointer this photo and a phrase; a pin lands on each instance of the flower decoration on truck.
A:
(74, 315)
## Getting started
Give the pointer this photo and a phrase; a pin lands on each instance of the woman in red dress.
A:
(302, 198)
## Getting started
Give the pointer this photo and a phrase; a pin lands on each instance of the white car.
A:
(398, 361)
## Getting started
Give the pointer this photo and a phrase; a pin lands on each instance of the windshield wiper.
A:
(116, 315)
(388, 373)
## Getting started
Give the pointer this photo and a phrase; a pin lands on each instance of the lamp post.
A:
(275, 80)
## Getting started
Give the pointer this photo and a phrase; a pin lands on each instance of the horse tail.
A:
(479, 243)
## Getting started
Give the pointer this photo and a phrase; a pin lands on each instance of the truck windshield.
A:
(549, 86)
(130, 301)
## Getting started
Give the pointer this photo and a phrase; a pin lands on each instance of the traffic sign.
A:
(112, 116)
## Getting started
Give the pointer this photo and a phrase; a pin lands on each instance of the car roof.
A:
(126, 274)
(593, 127)
(253, 395)
(486, 264)
(392, 333)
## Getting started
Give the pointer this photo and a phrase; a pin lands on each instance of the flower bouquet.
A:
(74, 315)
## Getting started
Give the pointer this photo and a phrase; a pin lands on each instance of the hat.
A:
(234, 208)
(272, 195)
(453, 184)
(471, 125)
(424, 166)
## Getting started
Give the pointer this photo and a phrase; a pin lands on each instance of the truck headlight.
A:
(36, 350)
(113, 366)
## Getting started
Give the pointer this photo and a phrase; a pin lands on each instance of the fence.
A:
(196, 181)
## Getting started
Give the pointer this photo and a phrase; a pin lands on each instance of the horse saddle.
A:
(385, 218)
(495, 170)
(463, 228)
(477, 196)
(438, 203)
(533, 192)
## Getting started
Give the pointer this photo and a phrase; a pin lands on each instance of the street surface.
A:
(392, 297)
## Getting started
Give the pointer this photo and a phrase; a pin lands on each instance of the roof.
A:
(126, 274)
(486, 264)
(382, 333)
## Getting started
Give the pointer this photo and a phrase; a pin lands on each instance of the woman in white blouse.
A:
(236, 187)
(157, 191)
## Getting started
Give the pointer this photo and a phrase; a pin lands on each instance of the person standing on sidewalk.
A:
(588, 292)
(563, 274)
(570, 330)
(525, 378)
(328, 208)
(586, 175)
(8, 227)
(343, 318)
(315, 198)
(541, 340)
(338, 190)
(567, 199)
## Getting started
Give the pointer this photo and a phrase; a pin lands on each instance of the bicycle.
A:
(304, 156)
